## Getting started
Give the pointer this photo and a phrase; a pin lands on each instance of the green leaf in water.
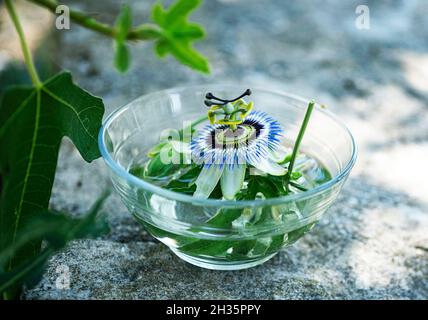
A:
(295, 175)
(156, 168)
(186, 182)
(269, 186)
(295, 235)
(155, 150)
(207, 247)
(224, 218)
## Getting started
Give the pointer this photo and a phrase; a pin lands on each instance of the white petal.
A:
(207, 180)
(232, 180)
(269, 166)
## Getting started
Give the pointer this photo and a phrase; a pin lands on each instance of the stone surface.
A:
(374, 242)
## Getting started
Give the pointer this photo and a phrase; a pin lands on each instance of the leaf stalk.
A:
(297, 144)
(25, 49)
(146, 31)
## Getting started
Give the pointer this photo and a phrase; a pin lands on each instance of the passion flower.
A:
(227, 147)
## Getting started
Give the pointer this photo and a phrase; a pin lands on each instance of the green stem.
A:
(26, 51)
(192, 124)
(199, 120)
(145, 31)
(297, 144)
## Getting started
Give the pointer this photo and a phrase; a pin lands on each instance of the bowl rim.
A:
(172, 195)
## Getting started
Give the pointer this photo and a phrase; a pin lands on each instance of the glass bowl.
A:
(190, 227)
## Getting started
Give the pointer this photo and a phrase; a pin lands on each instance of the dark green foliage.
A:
(55, 230)
(33, 122)
(123, 25)
(177, 34)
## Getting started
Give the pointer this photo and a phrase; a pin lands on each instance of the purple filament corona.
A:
(252, 140)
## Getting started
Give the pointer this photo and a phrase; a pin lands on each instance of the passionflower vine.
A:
(227, 147)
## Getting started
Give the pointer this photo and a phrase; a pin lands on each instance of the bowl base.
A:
(211, 264)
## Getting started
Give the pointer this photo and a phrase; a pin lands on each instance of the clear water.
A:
(223, 250)
(313, 173)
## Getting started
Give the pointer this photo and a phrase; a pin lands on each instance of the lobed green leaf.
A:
(177, 34)
(33, 122)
